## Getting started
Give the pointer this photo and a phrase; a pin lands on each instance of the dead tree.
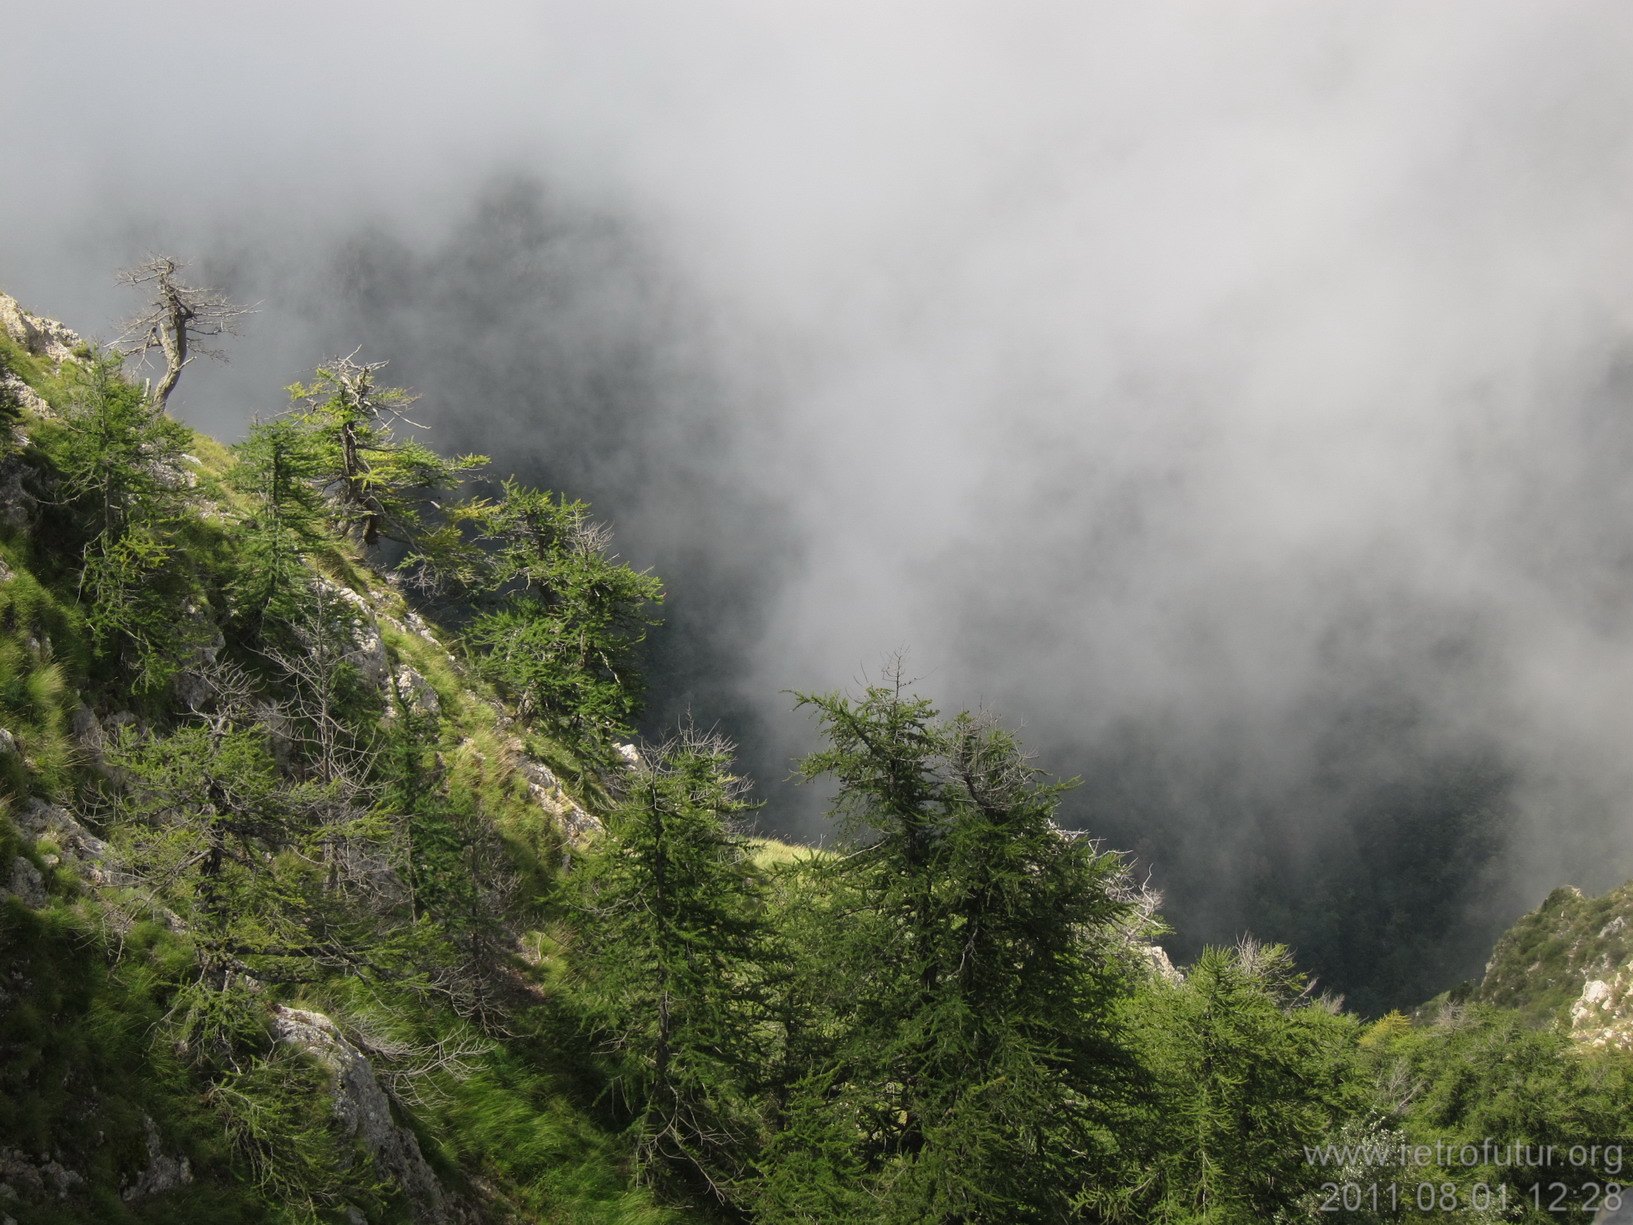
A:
(176, 319)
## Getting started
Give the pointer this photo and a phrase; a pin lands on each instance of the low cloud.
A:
(1239, 398)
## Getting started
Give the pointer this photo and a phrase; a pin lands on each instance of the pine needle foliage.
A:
(1246, 1070)
(669, 954)
(380, 486)
(564, 641)
(124, 483)
(279, 465)
(972, 957)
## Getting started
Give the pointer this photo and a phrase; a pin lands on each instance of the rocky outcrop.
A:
(368, 654)
(205, 642)
(1159, 963)
(364, 1111)
(1569, 962)
(549, 794)
(415, 692)
(27, 1179)
(162, 1172)
(1602, 1015)
(76, 843)
(26, 884)
(13, 387)
(41, 337)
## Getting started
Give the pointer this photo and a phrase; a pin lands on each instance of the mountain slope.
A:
(396, 1051)
(1570, 962)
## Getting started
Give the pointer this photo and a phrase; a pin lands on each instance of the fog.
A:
(1236, 396)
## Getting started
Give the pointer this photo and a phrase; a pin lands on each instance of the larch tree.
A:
(564, 640)
(125, 488)
(975, 960)
(176, 320)
(278, 465)
(380, 486)
(669, 953)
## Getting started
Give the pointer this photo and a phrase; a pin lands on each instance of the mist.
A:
(1236, 397)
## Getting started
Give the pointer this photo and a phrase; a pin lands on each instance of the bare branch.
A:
(175, 320)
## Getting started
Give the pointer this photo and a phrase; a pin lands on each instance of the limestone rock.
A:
(26, 883)
(42, 337)
(205, 641)
(162, 1173)
(549, 794)
(12, 386)
(1157, 958)
(1602, 1015)
(36, 1180)
(83, 723)
(78, 844)
(368, 656)
(19, 505)
(416, 692)
(364, 1110)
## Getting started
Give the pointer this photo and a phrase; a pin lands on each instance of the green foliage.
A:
(1540, 964)
(1480, 1074)
(670, 956)
(380, 486)
(124, 484)
(972, 959)
(274, 1112)
(277, 470)
(1245, 1073)
(80, 1077)
(11, 406)
(944, 1018)
(35, 690)
(248, 858)
(565, 641)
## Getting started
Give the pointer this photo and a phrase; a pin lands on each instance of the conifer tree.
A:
(125, 485)
(205, 818)
(1246, 1071)
(277, 470)
(975, 964)
(379, 485)
(565, 638)
(670, 953)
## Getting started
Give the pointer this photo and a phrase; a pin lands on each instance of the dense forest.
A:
(340, 890)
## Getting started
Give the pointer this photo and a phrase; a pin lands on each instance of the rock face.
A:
(1160, 964)
(205, 642)
(368, 654)
(36, 1180)
(364, 1110)
(42, 337)
(549, 794)
(1602, 1016)
(162, 1173)
(76, 842)
(415, 691)
(27, 885)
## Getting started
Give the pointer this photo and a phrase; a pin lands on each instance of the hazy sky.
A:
(1236, 393)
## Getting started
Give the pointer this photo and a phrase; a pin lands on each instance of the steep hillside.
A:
(173, 1044)
(1570, 962)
